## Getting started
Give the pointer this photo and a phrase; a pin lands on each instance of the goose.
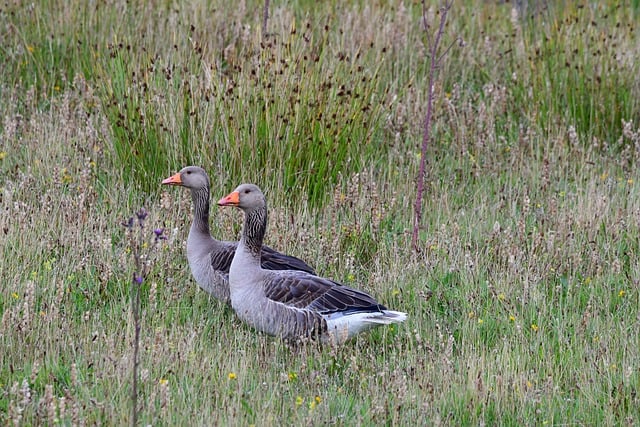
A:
(209, 258)
(293, 304)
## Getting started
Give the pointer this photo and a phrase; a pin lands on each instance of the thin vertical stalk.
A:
(435, 60)
(265, 18)
(140, 271)
(135, 309)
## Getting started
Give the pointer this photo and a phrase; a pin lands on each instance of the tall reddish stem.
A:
(426, 137)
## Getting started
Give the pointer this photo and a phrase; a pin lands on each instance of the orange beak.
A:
(233, 199)
(173, 180)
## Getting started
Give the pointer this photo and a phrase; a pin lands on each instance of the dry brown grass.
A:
(522, 309)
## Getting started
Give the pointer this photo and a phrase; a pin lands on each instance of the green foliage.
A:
(561, 64)
(578, 74)
(523, 302)
(138, 148)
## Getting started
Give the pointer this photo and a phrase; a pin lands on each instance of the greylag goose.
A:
(210, 259)
(293, 304)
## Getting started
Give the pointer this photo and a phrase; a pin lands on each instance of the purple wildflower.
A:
(142, 215)
(128, 223)
(137, 278)
(159, 232)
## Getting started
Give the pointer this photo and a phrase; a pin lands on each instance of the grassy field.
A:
(523, 302)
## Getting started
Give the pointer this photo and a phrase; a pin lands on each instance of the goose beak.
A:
(173, 180)
(233, 199)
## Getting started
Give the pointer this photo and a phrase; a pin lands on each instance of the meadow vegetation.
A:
(523, 301)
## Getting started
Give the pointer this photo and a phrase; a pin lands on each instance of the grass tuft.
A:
(522, 306)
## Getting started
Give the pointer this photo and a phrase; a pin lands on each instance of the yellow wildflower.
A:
(534, 327)
(299, 400)
(621, 293)
(232, 375)
(66, 176)
(30, 48)
(292, 376)
(502, 296)
(15, 295)
(512, 318)
(3, 154)
(163, 381)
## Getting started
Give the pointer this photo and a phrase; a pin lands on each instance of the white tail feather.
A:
(388, 317)
(342, 327)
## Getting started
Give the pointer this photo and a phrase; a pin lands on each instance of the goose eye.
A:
(246, 191)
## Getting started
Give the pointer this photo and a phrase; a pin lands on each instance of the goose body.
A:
(209, 258)
(293, 304)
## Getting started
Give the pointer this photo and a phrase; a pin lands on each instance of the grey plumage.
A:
(293, 304)
(209, 258)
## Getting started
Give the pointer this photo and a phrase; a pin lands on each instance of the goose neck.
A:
(200, 199)
(255, 226)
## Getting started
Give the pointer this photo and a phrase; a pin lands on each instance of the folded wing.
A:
(306, 291)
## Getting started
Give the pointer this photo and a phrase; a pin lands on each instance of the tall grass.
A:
(523, 306)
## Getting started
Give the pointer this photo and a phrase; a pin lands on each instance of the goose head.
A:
(192, 177)
(245, 197)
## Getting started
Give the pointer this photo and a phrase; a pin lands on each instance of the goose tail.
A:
(387, 317)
